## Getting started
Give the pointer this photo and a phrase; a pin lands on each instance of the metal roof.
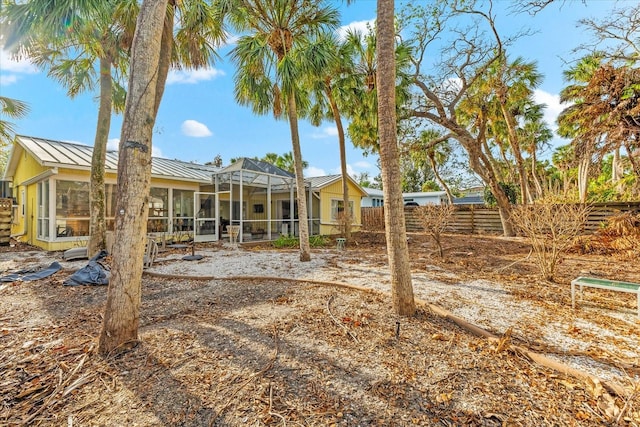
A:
(247, 164)
(77, 156)
(317, 182)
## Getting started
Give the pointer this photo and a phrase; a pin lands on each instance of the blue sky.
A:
(199, 119)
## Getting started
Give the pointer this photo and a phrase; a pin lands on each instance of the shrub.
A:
(290, 241)
(551, 230)
(434, 219)
(510, 190)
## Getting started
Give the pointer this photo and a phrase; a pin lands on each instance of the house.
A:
(425, 198)
(49, 183)
(375, 198)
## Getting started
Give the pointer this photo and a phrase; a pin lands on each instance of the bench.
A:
(611, 285)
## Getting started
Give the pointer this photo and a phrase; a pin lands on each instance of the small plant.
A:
(551, 230)
(290, 241)
(318, 241)
(434, 219)
(287, 241)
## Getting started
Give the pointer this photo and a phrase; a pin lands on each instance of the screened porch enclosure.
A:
(260, 199)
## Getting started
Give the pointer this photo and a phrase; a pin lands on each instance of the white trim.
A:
(40, 177)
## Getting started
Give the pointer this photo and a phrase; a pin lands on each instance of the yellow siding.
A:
(334, 192)
(26, 168)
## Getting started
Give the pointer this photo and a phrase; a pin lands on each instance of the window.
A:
(43, 210)
(158, 221)
(182, 210)
(337, 206)
(72, 208)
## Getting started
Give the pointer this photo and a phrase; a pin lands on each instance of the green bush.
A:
(318, 241)
(293, 242)
(285, 242)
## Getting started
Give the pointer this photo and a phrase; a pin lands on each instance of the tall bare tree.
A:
(395, 230)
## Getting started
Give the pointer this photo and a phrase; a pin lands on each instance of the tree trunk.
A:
(583, 177)
(434, 167)
(303, 217)
(343, 165)
(395, 231)
(122, 311)
(517, 154)
(97, 222)
(534, 175)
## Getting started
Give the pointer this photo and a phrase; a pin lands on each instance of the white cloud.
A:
(195, 129)
(325, 132)
(554, 107)
(312, 171)
(361, 27)
(350, 170)
(193, 76)
(114, 143)
(11, 67)
(6, 80)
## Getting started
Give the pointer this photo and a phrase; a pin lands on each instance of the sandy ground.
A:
(488, 281)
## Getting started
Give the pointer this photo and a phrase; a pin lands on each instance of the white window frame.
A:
(43, 219)
(335, 206)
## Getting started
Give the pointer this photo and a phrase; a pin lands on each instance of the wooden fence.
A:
(5, 221)
(470, 219)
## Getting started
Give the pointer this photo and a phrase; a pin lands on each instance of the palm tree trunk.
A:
(97, 222)
(514, 141)
(122, 311)
(583, 177)
(534, 174)
(303, 217)
(343, 165)
(395, 231)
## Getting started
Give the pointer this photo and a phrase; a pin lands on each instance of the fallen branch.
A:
(474, 329)
(51, 398)
(337, 322)
(284, 422)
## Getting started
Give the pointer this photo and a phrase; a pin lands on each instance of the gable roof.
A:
(318, 182)
(50, 153)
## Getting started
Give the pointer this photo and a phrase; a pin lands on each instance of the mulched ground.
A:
(236, 353)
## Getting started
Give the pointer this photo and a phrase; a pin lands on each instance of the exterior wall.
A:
(425, 198)
(333, 191)
(27, 168)
(23, 227)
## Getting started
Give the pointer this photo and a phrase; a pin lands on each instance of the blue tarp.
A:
(94, 273)
(27, 275)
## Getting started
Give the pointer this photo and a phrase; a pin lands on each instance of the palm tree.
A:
(333, 87)
(13, 109)
(574, 123)
(122, 310)
(102, 33)
(273, 59)
(395, 230)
